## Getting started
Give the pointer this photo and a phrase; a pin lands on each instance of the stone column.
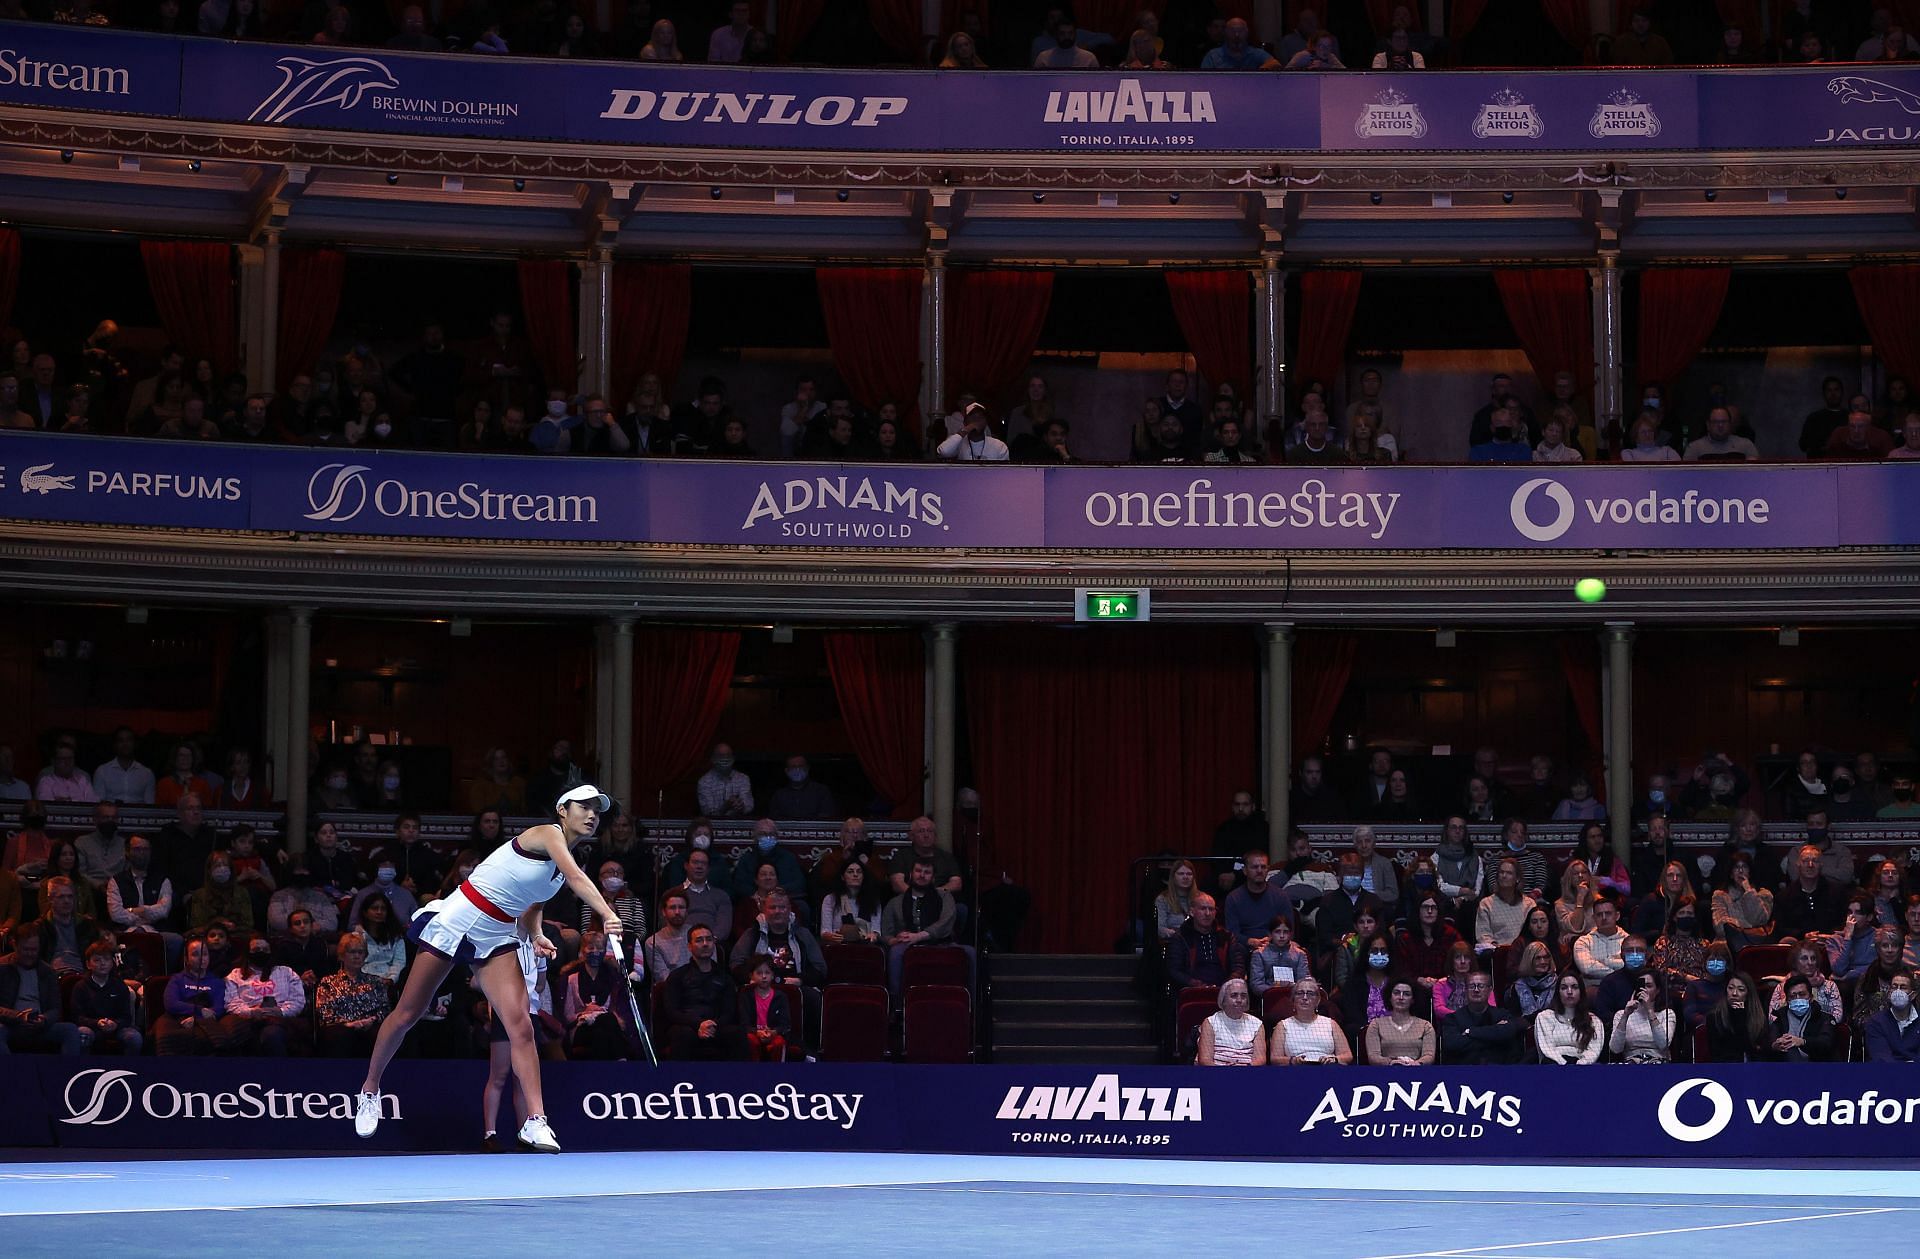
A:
(1608, 353)
(620, 772)
(1619, 640)
(945, 728)
(1279, 740)
(935, 338)
(1270, 339)
(299, 738)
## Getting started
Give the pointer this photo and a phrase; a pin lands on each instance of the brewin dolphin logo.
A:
(307, 84)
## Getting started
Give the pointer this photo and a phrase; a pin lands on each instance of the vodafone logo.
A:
(1562, 509)
(1679, 1129)
(108, 1097)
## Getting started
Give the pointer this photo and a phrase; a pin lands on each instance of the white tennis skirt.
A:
(459, 930)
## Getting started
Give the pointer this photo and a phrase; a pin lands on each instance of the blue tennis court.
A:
(736, 1203)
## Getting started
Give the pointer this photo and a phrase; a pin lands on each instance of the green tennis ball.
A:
(1589, 590)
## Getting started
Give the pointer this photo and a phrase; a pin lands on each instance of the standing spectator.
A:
(30, 1003)
(63, 780)
(350, 1003)
(723, 791)
(124, 779)
(701, 1007)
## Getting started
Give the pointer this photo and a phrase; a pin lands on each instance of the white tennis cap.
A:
(586, 793)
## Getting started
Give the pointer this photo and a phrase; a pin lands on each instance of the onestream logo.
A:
(1652, 508)
(339, 492)
(109, 1092)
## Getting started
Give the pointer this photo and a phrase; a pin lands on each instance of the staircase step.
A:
(1010, 1011)
(1104, 1056)
(1085, 1035)
(1036, 987)
(1084, 965)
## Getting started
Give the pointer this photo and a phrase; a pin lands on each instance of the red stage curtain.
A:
(873, 325)
(952, 12)
(681, 680)
(993, 324)
(1570, 19)
(1550, 312)
(1889, 300)
(1215, 313)
(1380, 16)
(652, 303)
(880, 680)
(547, 301)
(1327, 302)
(797, 18)
(1322, 667)
(1092, 749)
(1745, 14)
(1678, 308)
(9, 273)
(310, 282)
(192, 283)
(897, 23)
(1110, 17)
(1580, 663)
(1466, 16)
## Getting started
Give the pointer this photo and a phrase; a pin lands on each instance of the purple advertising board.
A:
(881, 506)
(776, 108)
(1760, 1110)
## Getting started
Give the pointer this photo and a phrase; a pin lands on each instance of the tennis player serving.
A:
(482, 924)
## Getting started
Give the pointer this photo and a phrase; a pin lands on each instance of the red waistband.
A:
(484, 905)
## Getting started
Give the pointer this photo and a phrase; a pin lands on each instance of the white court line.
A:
(1469, 1252)
(1282, 1195)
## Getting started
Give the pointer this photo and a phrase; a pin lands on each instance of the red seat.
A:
(1504, 960)
(939, 1023)
(1702, 1053)
(151, 948)
(1842, 1042)
(1191, 1006)
(154, 999)
(797, 1012)
(1761, 962)
(853, 1023)
(1277, 1003)
(935, 964)
(68, 982)
(856, 964)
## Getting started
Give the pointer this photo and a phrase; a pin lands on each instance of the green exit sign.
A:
(1112, 605)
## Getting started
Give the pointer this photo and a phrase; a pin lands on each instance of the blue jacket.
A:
(1887, 1042)
(188, 997)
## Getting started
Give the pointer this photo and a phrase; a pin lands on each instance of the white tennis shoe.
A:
(535, 1135)
(366, 1114)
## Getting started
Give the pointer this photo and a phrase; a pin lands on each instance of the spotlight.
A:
(1173, 198)
(1038, 197)
(393, 177)
(519, 185)
(66, 155)
(1711, 194)
(842, 195)
(194, 166)
(714, 192)
(1507, 197)
(1839, 194)
(1375, 197)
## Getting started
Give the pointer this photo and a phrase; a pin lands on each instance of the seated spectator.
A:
(1237, 51)
(1679, 954)
(1852, 949)
(1893, 1034)
(1640, 44)
(1888, 883)
(1540, 926)
(1449, 992)
(921, 915)
(1231, 1037)
(1323, 55)
(1306, 29)
(1480, 1034)
(767, 851)
(332, 869)
(64, 781)
(181, 779)
(1227, 444)
(923, 844)
(1399, 1037)
(1904, 805)
(1614, 991)
(386, 937)
(1363, 997)
(1643, 1030)
(1174, 905)
(1858, 440)
(1579, 804)
(1535, 982)
(350, 1003)
(1800, 1030)
(30, 1013)
(218, 899)
(801, 797)
(701, 1007)
(974, 442)
(103, 1007)
(1167, 442)
(386, 885)
(1461, 874)
(1608, 872)
(1567, 1032)
(1810, 903)
(124, 779)
(220, 949)
(64, 861)
(1597, 952)
(1810, 963)
(1737, 1028)
(1252, 907)
(1705, 991)
(594, 1009)
(723, 791)
(853, 911)
(1656, 910)
(1742, 913)
(728, 44)
(1306, 1037)
(765, 1013)
(1647, 446)
(1909, 447)
(893, 444)
(1503, 911)
(1316, 445)
(961, 53)
(1279, 960)
(1719, 444)
(1573, 910)
(1399, 54)
(1342, 909)
(1506, 441)
(1066, 54)
(707, 904)
(1428, 938)
(302, 949)
(1202, 953)
(1143, 53)
(777, 933)
(665, 951)
(1870, 993)
(196, 1006)
(663, 45)
(65, 934)
(413, 35)
(267, 999)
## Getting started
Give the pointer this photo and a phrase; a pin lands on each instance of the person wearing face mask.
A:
(1893, 1035)
(766, 848)
(418, 868)
(1339, 909)
(553, 435)
(1703, 993)
(1844, 801)
(386, 885)
(218, 898)
(1904, 805)
(723, 791)
(800, 796)
(1871, 992)
(1618, 989)
(334, 792)
(1801, 1031)
(593, 1008)
(1656, 801)
(699, 838)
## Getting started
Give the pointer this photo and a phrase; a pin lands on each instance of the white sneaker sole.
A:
(364, 1124)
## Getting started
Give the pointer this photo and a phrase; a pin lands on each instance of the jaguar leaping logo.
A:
(1852, 90)
(34, 480)
(308, 84)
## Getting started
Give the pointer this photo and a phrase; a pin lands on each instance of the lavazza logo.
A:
(1869, 1109)
(1651, 508)
(905, 505)
(346, 83)
(1853, 89)
(1105, 1100)
(338, 493)
(1454, 1112)
(1130, 103)
(101, 1097)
